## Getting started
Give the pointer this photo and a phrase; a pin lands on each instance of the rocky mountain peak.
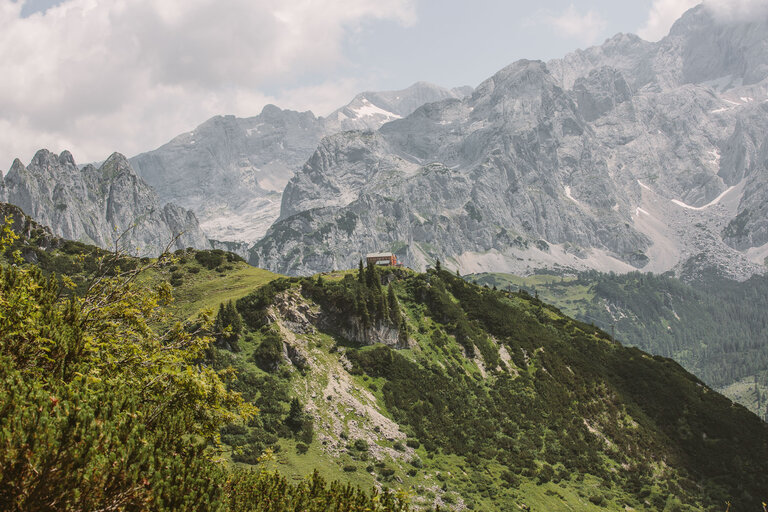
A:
(692, 21)
(45, 160)
(271, 110)
(521, 78)
(66, 158)
(99, 206)
(116, 165)
(714, 47)
(16, 167)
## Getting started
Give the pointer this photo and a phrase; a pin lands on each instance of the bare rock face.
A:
(295, 316)
(109, 206)
(232, 171)
(624, 156)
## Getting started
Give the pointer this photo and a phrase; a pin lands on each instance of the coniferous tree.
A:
(295, 418)
(372, 277)
(365, 316)
(228, 327)
(394, 306)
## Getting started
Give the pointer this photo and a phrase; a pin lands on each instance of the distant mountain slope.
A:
(715, 328)
(631, 155)
(109, 206)
(369, 110)
(231, 171)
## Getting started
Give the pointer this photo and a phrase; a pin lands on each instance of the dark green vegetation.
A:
(716, 328)
(514, 393)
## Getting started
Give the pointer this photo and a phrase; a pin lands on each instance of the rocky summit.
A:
(629, 155)
(109, 206)
(232, 171)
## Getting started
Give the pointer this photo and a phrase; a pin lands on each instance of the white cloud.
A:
(585, 28)
(738, 10)
(663, 15)
(96, 76)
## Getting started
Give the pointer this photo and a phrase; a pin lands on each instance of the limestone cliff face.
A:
(628, 155)
(294, 315)
(109, 206)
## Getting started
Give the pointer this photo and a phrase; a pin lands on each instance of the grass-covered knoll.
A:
(205, 279)
(498, 398)
(715, 328)
(201, 278)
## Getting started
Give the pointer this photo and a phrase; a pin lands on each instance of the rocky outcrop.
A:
(623, 156)
(109, 206)
(295, 315)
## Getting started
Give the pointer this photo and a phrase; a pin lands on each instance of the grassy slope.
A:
(445, 478)
(209, 288)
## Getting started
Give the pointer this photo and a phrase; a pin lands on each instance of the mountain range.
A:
(109, 206)
(232, 171)
(630, 155)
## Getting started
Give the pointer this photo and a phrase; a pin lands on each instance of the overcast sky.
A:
(97, 76)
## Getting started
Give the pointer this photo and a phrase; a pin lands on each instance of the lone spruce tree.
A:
(394, 306)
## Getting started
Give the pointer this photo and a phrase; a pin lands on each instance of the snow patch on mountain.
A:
(369, 109)
(711, 203)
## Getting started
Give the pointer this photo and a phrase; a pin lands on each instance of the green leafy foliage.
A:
(215, 258)
(269, 354)
(98, 408)
(89, 445)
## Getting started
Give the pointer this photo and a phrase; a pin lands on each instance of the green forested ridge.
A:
(557, 402)
(716, 328)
